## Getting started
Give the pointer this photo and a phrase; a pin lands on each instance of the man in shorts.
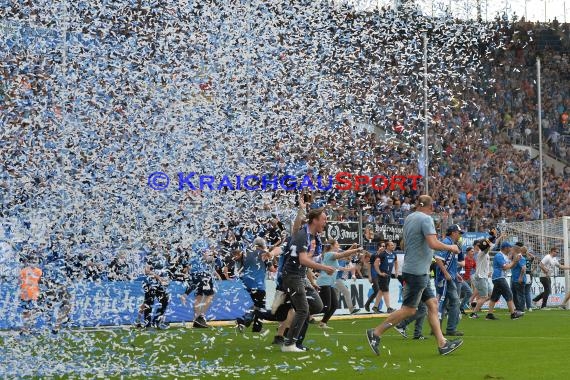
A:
(501, 288)
(420, 239)
(481, 276)
(201, 281)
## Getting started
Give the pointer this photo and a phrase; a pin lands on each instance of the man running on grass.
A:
(420, 240)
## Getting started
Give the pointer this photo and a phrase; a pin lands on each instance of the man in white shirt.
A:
(482, 272)
(547, 265)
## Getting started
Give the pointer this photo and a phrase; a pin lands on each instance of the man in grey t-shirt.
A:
(420, 239)
(417, 226)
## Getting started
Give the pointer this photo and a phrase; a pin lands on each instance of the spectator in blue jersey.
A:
(256, 261)
(221, 267)
(530, 259)
(446, 280)
(501, 263)
(326, 282)
(298, 257)
(56, 293)
(274, 232)
(281, 310)
(518, 276)
(200, 265)
(385, 265)
(373, 276)
(155, 286)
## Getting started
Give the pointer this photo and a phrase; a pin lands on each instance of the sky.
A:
(535, 10)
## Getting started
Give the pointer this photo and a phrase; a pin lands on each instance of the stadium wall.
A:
(116, 303)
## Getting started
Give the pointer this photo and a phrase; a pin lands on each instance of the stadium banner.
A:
(393, 232)
(117, 303)
(468, 238)
(346, 233)
(361, 289)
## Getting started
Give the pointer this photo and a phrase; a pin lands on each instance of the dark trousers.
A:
(150, 294)
(259, 312)
(329, 296)
(305, 301)
(375, 289)
(518, 295)
(547, 285)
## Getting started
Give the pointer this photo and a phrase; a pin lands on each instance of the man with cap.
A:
(446, 280)
(501, 263)
(419, 240)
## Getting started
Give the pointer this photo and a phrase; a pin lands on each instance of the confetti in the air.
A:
(97, 95)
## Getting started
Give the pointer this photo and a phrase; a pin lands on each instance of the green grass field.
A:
(533, 347)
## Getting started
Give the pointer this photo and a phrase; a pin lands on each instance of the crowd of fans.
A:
(92, 105)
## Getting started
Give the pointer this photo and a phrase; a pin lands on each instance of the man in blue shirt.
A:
(201, 281)
(445, 280)
(374, 277)
(155, 285)
(518, 277)
(57, 295)
(383, 265)
(255, 264)
(388, 265)
(501, 263)
(420, 239)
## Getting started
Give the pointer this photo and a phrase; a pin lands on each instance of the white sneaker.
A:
(291, 348)
(401, 330)
(324, 326)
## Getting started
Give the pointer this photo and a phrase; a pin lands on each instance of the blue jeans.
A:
(527, 296)
(465, 294)
(451, 305)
